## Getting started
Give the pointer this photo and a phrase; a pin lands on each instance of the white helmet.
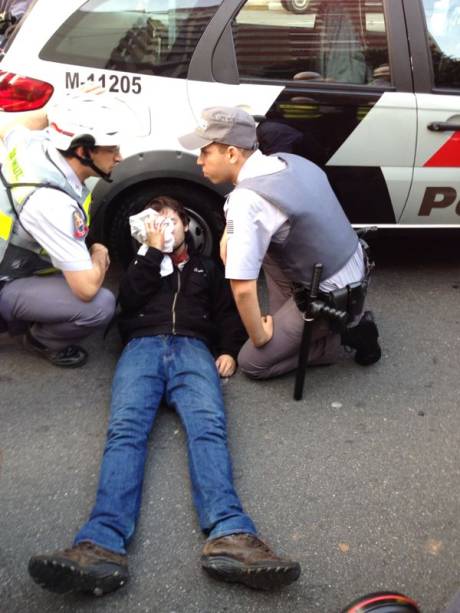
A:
(102, 118)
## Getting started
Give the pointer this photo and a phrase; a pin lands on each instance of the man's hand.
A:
(225, 365)
(258, 327)
(32, 120)
(155, 230)
(100, 255)
(267, 325)
(86, 283)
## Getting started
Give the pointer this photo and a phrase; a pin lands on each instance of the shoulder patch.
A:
(80, 229)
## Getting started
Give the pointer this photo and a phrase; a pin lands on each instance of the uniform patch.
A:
(230, 226)
(80, 229)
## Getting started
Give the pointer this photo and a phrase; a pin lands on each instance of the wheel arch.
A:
(145, 169)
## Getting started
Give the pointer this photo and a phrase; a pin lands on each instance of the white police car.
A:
(369, 89)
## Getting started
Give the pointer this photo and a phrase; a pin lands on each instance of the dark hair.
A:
(84, 140)
(162, 202)
(222, 147)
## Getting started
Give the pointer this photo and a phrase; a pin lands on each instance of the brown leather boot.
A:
(82, 568)
(244, 558)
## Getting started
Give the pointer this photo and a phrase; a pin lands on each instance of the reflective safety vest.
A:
(27, 168)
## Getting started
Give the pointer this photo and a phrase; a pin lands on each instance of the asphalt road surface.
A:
(359, 481)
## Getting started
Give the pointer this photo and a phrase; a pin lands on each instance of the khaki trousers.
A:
(281, 354)
(57, 317)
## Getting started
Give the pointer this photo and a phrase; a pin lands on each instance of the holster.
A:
(349, 299)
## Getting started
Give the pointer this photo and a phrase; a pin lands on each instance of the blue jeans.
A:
(183, 371)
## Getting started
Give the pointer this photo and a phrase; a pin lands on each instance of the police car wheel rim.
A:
(200, 233)
(300, 5)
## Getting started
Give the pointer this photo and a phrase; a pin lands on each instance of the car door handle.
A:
(443, 126)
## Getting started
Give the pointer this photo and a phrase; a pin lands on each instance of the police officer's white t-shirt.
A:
(253, 223)
(49, 215)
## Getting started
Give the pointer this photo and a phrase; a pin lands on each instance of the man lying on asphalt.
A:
(174, 309)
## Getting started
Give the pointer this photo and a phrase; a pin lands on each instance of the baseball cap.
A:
(222, 124)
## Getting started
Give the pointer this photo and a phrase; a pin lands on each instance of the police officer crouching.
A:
(283, 215)
(50, 282)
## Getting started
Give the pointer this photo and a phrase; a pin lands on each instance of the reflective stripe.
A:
(46, 271)
(86, 208)
(26, 168)
(13, 173)
(6, 225)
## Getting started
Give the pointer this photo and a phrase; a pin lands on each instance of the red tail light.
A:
(18, 93)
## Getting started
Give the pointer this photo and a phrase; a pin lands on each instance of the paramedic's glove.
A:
(155, 233)
(225, 365)
(267, 325)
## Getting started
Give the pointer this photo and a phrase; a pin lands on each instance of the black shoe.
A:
(71, 356)
(363, 338)
(82, 568)
(244, 558)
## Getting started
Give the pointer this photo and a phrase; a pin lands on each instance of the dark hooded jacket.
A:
(195, 301)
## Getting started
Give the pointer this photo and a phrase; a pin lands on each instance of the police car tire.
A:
(203, 207)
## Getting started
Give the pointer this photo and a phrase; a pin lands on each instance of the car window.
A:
(155, 37)
(340, 41)
(443, 24)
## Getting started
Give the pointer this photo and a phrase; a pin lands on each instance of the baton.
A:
(305, 343)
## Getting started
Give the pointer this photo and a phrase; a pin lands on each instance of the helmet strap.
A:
(87, 161)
